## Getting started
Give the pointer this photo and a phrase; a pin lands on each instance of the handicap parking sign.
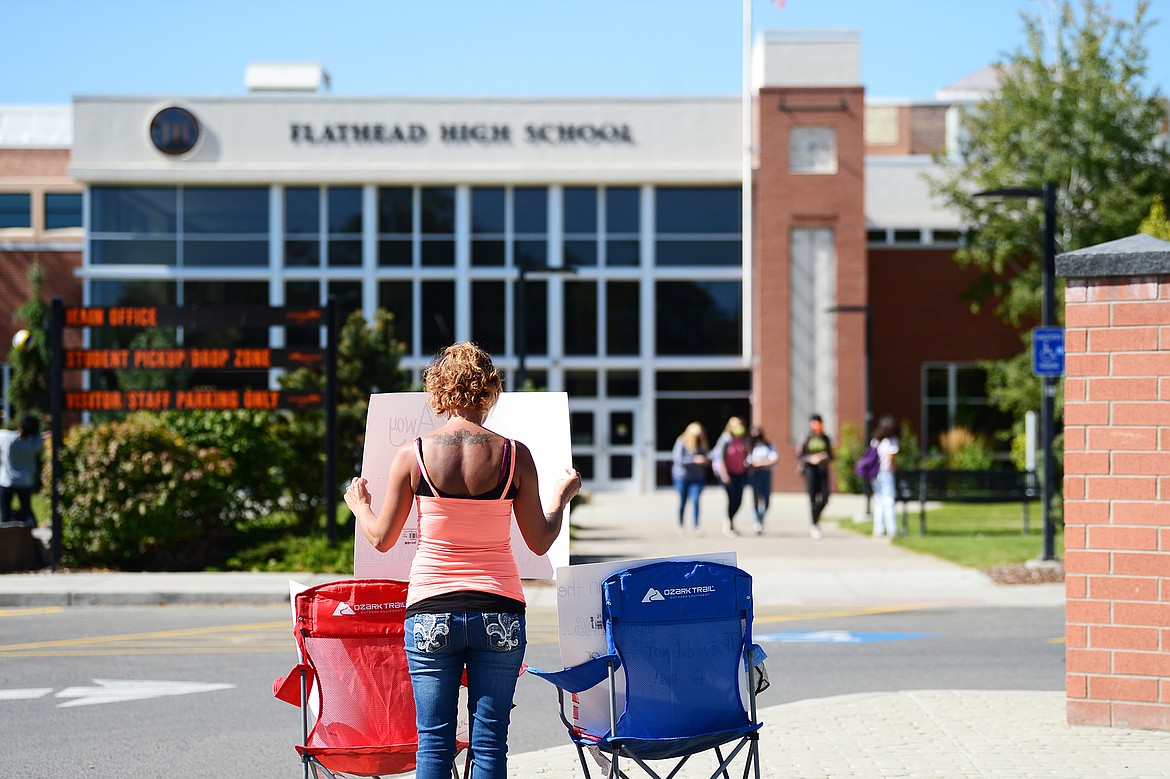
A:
(1048, 351)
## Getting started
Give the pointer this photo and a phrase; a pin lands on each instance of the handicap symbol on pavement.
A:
(835, 637)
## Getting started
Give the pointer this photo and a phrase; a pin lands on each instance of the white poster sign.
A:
(540, 420)
(582, 633)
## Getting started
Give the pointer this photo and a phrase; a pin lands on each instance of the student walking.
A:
(689, 464)
(729, 461)
(885, 440)
(762, 459)
(813, 456)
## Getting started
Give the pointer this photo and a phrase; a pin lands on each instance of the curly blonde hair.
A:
(462, 376)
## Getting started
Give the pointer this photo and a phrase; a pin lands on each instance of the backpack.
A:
(735, 456)
(868, 464)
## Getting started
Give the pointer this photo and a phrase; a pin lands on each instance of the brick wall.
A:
(911, 290)
(1117, 501)
(787, 200)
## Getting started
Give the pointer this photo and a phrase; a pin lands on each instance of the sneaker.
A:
(815, 532)
(759, 530)
(729, 531)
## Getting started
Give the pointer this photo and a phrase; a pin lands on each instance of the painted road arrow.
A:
(25, 694)
(835, 637)
(118, 690)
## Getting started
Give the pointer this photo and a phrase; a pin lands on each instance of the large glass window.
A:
(488, 225)
(706, 397)
(622, 317)
(622, 225)
(580, 225)
(812, 150)
(530, 226)
(580, 317)
(221, 226)
(349, 297)
(133, 210)
(62, 210)
(955, 396)
(698, 226)
(345, 226)
(302, 293)
(698, 317)
(395, 226)
(535, 319)
(133, 225)
(225, 293)
(397, 297)
(209, 210)
(302, 227)
(812, 332)
(487, 315)
(15, 209)
(438, 309)
(128, 293)
(437, 224)
(698, 210)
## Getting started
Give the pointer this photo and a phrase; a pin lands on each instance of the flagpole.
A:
(746, 163)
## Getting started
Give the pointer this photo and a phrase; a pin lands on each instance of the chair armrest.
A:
(579, 677)
(758, 676)
(288, 688)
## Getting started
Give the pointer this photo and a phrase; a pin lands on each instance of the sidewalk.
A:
(950, 734)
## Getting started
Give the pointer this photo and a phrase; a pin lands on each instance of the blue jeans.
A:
(885, 518)
(761, 481)
(688, 490)
(438, 646)
(734, 486)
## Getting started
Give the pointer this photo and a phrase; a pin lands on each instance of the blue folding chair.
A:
(682, 634)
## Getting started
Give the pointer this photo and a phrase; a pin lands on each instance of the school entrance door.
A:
(605, 436)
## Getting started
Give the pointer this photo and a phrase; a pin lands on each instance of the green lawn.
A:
(980, 535)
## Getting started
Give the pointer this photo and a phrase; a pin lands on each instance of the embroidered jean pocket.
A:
(432, 632)
(505, 632)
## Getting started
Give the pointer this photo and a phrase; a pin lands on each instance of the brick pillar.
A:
(1117, 483)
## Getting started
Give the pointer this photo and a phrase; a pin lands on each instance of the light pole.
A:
(523, 269)
(1047, 319)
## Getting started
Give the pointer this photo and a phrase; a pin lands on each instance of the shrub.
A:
(964, 451)
(136, 496)
(278, 463)
(909, 456)
(846, 453)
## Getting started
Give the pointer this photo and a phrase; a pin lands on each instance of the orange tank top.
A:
(464, 543)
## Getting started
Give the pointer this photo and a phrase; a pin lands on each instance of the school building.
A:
(598, 246)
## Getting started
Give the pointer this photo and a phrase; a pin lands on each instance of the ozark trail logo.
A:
(346, 609)
(652, 595)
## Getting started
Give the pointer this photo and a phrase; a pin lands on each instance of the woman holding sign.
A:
(465, 604)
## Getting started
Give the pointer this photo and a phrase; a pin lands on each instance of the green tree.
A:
(1072, 108)
(28, 389)
(367, 362)
(1156, 222)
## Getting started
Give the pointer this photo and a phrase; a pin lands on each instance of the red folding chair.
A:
(353, 668)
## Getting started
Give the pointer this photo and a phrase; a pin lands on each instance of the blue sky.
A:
(53, 49)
